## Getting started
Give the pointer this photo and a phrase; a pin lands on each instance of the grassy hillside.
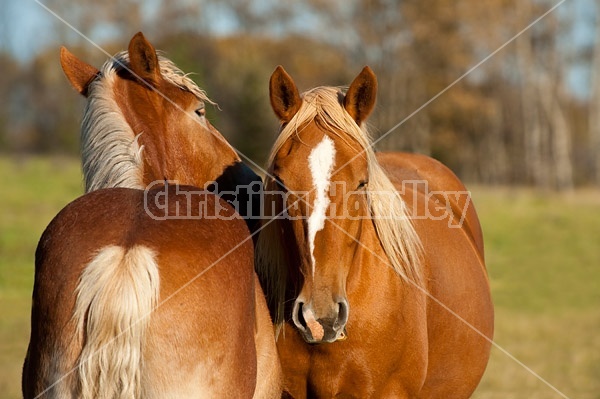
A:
(543, 257)
(32, 191)
(542, 251)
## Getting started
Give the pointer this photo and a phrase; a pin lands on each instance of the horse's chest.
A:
(341, 373)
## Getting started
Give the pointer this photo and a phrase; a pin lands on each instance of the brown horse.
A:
(148, 293)
(374, 267)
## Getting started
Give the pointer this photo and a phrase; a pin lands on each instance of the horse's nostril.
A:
(301, 314)
(298, 316)
(342, 313)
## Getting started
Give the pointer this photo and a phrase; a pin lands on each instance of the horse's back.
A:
(200, 333)
(433, 178)
(459, 309)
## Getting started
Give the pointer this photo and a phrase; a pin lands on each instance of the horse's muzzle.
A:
(326, 329)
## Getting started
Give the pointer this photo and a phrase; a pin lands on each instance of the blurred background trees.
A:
(529, 116)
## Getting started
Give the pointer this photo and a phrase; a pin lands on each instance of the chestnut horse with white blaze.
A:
(374, 265)
(149, 293)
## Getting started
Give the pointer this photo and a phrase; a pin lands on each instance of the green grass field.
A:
(542, 251)
(32, 191)
(543, 257)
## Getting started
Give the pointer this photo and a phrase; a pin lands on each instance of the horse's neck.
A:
(370, 264)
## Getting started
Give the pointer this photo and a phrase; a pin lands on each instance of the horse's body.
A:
(370, 307)
(166, 303)
(139, 293)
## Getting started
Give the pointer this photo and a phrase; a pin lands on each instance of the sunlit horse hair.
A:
(396, 232)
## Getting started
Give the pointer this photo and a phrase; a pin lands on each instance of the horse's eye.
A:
(362, 184)
(201, 112)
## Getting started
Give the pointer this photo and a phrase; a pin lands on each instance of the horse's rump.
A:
(96, 298)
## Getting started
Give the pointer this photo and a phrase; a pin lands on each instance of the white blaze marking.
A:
(320, 161)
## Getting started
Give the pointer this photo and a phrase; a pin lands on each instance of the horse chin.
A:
(329, 337)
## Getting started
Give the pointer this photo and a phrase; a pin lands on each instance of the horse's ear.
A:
(283, 92)
(361, 95)
(79, 73)
(143, 60)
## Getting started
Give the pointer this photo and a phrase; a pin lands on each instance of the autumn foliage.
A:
(512, 120)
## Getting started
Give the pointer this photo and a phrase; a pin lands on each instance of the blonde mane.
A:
(391, 219)
(111, 154)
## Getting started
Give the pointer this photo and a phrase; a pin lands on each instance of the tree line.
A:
(513, 120)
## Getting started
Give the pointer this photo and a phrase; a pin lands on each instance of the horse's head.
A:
(320, 164)
(144, 121)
